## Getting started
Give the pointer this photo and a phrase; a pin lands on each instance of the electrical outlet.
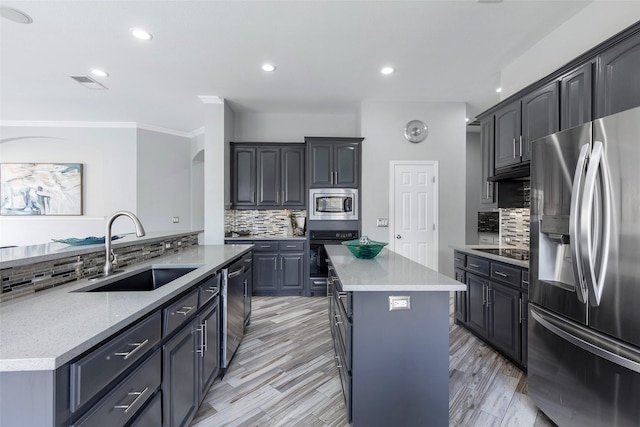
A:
(399, 303)
(175, 219)
(382, 222)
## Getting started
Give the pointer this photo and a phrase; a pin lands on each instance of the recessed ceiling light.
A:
(499, 90)
(268, 67)
(99, 73)
(466, 119)
(15, 15)
(140, 34)
(387, 70)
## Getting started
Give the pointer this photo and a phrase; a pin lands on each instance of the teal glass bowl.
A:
(364, 251)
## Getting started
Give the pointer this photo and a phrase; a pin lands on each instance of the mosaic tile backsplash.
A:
(514, 226)
(272, 223)
(27, 279)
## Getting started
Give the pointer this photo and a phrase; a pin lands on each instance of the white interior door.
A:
(414, 211)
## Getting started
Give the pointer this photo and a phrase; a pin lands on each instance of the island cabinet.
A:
(333, 162)
(266, 176)
(389, 321)
(496, 303)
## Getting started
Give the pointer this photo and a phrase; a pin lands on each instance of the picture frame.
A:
(41, 189)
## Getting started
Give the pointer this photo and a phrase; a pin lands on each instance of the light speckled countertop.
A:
(51, 327)
(387, 272)
(472, 250)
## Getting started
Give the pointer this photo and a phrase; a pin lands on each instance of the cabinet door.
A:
(575, 97)
(209, 348)
(180, 378)
(268, 176)
(540, 116)
(293, 179)
(487, 147)
(476, 310)
(504, 319)
(265, 272)
(292, 269)
(525, 335)
(243, 176)
(320, 167)
(618, 78)
(507, 135)
(460, 298)
(346, 167)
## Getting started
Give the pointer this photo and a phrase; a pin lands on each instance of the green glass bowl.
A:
(364, 251)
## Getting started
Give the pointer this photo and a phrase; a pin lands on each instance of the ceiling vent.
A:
(88, 82)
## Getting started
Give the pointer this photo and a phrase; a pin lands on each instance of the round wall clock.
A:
(416, 131)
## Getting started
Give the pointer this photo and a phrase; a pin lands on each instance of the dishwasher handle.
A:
(236, 272)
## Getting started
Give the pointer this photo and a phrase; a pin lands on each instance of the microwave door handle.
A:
(346, 205)
(574, 225)
(596, 163)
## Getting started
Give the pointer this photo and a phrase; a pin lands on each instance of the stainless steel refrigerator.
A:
(584, 312)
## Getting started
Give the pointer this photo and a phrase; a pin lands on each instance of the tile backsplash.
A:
(262, 222)
(514, 226)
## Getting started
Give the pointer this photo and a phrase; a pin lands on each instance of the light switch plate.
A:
(399, 303)
(382, 222)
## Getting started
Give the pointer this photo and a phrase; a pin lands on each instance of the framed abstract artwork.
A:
(40, 189)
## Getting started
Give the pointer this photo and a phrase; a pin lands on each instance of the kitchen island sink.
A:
(146, 280)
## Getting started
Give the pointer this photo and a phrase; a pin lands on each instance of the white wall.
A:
(474, 185)
(382, 127)
(163, 181)
(108, 156)
(256, 127)
(591, 26)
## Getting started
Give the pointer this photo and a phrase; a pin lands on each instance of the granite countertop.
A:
(23, 255)
(473, 250)
(45, 330)
(388, 271)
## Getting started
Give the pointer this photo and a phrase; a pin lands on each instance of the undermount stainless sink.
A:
(146, 280)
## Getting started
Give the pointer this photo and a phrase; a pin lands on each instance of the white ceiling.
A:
(328, 55)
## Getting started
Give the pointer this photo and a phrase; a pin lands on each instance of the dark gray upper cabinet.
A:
(487, 196)
(333, 162)
(243, 173)
(576, 97)
(507, 135)
(618, 78)
(539, 117)
(268, 175)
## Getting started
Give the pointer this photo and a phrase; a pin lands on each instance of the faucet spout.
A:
(108, 267)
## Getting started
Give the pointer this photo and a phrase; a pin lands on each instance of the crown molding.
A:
(113, 125)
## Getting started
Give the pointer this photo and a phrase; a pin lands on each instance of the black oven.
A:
(318, 257)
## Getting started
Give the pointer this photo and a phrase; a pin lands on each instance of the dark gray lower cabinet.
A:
(279, 267)
(180, 377)
(496, 303)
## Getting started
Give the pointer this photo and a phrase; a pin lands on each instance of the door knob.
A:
(398, 236)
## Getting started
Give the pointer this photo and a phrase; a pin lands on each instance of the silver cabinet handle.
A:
(200, 351)
(138, 394)
(211, 289)
(520, 145)
(335, 317)
(338, 362)
(281, 268)
(501, 274)
(205, 341)
(138, 346)
(514, 147)
(474, 265)
(291, 246)
(484, 297)
(265, 246)
(185, 310)
(245, 288)
(520, 306)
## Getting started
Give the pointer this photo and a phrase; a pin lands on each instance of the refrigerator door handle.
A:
(574, 228)
(595, 284)
(595, 344)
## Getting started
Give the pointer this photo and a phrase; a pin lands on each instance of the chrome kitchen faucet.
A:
(109, 256)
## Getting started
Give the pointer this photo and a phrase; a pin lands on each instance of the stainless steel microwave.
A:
(333, 204)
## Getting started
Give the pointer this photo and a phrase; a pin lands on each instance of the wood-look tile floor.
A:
(284, 374)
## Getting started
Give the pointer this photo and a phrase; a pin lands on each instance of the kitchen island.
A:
(48, 339)
(389, 319)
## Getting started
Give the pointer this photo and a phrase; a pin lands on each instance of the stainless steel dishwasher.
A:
(232, 292)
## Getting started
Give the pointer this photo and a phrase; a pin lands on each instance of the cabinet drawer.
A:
(506, 273)
(208, 289)
(268, 246)
(151, 415)
(180, 311)
(122, 403)
(292, 246)
(459, 259)
(96, 370)
(479, 265)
